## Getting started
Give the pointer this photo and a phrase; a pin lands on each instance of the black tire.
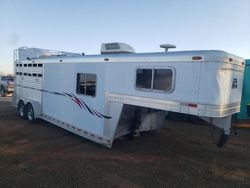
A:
(30, 113)
(21, 110)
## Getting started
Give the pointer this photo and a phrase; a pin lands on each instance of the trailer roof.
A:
(178, 56)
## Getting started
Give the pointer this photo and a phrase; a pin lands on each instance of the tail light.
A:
(192, 105)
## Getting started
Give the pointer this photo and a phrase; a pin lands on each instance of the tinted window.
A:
(86, 84)
(8, 78)
(143, 78)
(154, 79)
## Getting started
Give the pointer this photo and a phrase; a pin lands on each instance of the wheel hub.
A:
(30, 115)
(21, 111)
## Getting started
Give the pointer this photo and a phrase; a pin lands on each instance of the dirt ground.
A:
(180, 155)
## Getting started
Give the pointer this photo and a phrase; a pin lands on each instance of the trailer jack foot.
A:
(222, 140)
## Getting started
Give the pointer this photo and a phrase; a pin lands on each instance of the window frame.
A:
(85, 75)
(152, 80)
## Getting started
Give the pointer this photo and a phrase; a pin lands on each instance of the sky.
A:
(82, 25)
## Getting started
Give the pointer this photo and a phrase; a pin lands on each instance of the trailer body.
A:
(103, 97)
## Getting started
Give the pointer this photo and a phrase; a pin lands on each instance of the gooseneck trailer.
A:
(119, 92)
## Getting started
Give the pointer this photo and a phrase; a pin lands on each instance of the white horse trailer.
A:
(103, 97)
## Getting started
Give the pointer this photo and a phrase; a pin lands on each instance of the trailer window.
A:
(144, 78)
(162, 79)
(154, 79)
(86, 84)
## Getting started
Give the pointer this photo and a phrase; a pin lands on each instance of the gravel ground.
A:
(180, 155)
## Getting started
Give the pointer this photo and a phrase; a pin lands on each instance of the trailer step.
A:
(83, 133)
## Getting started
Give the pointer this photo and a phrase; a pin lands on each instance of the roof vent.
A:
(116, 48)
(167, 46)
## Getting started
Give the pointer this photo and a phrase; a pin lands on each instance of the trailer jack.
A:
(135, 122)
(223, 139)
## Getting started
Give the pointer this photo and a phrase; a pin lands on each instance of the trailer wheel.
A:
(21, 110)
(30, 113)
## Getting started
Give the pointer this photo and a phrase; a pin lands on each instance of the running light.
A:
(196, 58)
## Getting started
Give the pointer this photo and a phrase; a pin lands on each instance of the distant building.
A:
(245, 101)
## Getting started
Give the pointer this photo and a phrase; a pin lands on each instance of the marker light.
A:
(196, 58)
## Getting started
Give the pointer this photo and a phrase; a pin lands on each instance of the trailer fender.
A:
(37, 108)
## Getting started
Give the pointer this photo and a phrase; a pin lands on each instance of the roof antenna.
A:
(167, 46)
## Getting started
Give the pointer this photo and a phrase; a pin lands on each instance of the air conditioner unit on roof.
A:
(116, 47)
